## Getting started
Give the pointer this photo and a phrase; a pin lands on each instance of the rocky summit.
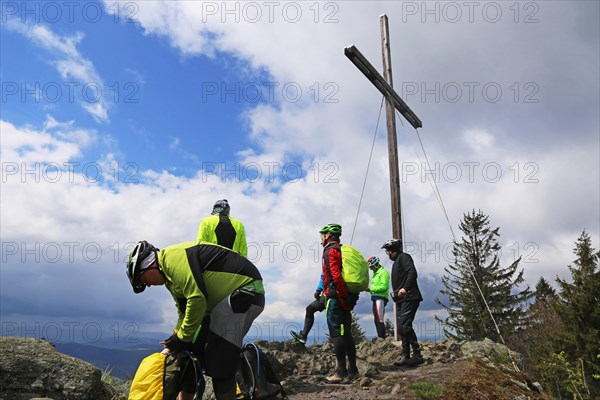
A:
(452, 371)
(33, 369)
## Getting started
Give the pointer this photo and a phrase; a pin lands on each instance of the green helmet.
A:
(334, 229)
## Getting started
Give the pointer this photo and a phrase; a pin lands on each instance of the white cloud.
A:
(28, 146)
(538, 191)
(174, 143)
(53, 123)
(281, 226)
(138, 78)
(479, 140)
(161, 207)
(69, 62)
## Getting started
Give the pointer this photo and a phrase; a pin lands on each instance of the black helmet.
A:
(140, 252)
(393, 245)
(334, 229)
(221, 206)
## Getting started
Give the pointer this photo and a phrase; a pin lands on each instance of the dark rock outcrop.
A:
(31, 368)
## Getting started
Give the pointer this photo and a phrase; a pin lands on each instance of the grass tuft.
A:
(427, 390)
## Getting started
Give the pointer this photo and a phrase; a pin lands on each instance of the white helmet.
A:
(140, 252)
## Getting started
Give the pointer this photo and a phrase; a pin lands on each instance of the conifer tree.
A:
(578, 308)
(477, 275)
(535, 341)
(543, 291)
(541, 311)
(357, 331)
(389, 328)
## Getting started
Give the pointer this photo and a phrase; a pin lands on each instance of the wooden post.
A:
(390, 113)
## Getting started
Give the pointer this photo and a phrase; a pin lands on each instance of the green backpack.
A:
(355, 270)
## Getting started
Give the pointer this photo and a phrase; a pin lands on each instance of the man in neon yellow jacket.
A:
(221, 229)
(204, 279)
(379, 289)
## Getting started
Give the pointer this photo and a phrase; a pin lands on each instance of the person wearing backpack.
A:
(339, 305)
(203, 278)
(315, 306)
(379, 289)
(407, 297)
(219, 228)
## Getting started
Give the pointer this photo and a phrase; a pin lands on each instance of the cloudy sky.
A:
(123, 121)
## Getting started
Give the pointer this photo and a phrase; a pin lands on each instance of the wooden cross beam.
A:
(377, 80)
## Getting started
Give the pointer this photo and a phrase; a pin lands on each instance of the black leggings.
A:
(316, 306)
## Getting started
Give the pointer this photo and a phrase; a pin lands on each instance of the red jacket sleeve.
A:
(332, 263)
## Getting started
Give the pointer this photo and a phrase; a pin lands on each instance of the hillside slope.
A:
(121, 363)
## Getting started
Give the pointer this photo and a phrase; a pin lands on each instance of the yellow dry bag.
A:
(355, 270)
(148, 380)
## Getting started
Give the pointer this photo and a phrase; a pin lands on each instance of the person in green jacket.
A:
(219, 228)
(379, 289)
(204, 279)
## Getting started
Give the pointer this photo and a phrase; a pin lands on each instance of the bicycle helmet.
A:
(392, 244)
(373, 261)
(221, 206)
(134, 267)
(334, 229)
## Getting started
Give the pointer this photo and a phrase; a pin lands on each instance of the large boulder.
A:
(31, 368)
(489, 351)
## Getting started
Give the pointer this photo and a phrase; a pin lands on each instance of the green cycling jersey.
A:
(199, 276)
(380, 283)
(223, 230)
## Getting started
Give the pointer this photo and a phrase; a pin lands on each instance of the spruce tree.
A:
(357, 331)
(476, 272)
(578, 308)
(389, 328)
(541, 311)
(543, 291)
(534, 341)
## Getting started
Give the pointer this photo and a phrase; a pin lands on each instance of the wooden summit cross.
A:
(393, 101)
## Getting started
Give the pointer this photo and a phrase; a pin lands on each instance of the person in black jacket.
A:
(406, 296)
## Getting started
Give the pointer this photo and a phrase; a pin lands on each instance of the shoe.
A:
(335, 378)
(416, 359)
(403, 361)
(353, 375)
(298, 337)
